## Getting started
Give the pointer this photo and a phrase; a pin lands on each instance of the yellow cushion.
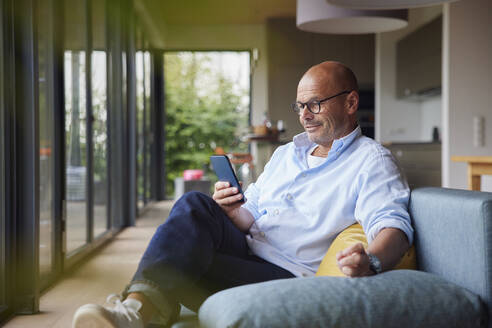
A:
(352, 235)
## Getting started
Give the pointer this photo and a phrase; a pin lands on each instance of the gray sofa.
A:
(453, 287)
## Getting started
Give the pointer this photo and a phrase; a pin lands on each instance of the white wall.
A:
(401, 120)
(292, 52)
(430, 114)
(227, 37)
(467, 87)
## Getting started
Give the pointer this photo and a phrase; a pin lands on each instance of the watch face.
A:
(374, 263)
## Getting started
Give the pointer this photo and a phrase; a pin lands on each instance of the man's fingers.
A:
(222, 195)
(354, 260)
(348, 271)
(224, 192)
(356, 248)
(338, 255)
(229, 200)
(221, 185)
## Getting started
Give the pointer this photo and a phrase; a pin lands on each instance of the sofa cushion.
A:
(400, 298)
(348, 237)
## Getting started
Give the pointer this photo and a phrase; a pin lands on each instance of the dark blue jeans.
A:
(198, 251)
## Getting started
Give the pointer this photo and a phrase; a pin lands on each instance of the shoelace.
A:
(120, 307)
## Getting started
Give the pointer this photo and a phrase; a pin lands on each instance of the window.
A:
(46, 142)
(141, 181)
(149, 136)
(99, 115)
(144, 130)
(75, 124)
(207, 107)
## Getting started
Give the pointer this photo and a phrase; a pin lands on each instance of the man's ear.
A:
(352, 102)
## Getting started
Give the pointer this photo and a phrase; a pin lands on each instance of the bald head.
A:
(330, 76)
(334, 86)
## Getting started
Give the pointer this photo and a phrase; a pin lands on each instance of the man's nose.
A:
(305, 113)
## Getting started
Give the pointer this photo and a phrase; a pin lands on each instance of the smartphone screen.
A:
(224, 171)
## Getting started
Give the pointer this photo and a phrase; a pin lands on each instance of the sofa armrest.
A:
(453, 236)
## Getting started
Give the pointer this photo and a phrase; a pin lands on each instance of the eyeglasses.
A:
(314, 106)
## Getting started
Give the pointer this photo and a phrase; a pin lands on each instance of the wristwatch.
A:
(374, 263)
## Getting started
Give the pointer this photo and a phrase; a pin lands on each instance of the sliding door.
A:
(139, 72)
(75, 123)
(144, 129)
(46, 139)
(149, 135)
(99, 117)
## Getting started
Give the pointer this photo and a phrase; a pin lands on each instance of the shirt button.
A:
(262, 234)
(276, 212)
(304, 175)
(289, 197)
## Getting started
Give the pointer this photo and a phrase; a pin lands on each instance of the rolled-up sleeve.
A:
(252, 195)
(383, 197)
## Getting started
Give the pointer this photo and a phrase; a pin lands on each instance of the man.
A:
(327, 179)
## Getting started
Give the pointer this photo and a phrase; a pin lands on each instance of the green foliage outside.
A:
(204, 109)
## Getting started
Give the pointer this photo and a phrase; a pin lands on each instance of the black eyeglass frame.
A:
(297, 109)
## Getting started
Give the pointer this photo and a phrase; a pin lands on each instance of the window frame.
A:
(52, 95)
(90, 129)
(6, 134)
(3, 266)
(24, 186)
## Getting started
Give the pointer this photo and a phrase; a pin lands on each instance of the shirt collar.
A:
(302, 141)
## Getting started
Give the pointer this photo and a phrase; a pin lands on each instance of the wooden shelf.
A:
(265, 137)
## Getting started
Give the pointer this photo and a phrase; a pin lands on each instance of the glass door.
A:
(99, 117)
(46, 140)
(75, 124)
(148, 135)
(144, 128)
(139, 71)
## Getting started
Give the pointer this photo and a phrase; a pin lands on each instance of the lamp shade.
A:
(320, 17)
(385, 4)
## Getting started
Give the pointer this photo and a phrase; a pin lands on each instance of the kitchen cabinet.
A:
(419, 58)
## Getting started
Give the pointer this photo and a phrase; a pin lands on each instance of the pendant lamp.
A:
(320, 17)
(385, 4)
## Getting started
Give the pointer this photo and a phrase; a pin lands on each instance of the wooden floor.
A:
(107, 272)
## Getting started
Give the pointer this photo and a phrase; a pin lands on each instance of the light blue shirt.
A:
(299, 211)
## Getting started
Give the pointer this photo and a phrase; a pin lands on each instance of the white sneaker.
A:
(123, 315)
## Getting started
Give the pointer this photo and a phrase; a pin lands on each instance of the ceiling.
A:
(206, 12)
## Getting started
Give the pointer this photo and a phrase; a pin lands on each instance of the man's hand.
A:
(389, 246)
(353, 261)
(227, 197)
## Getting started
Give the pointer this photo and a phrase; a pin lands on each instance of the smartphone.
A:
(224, 171)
